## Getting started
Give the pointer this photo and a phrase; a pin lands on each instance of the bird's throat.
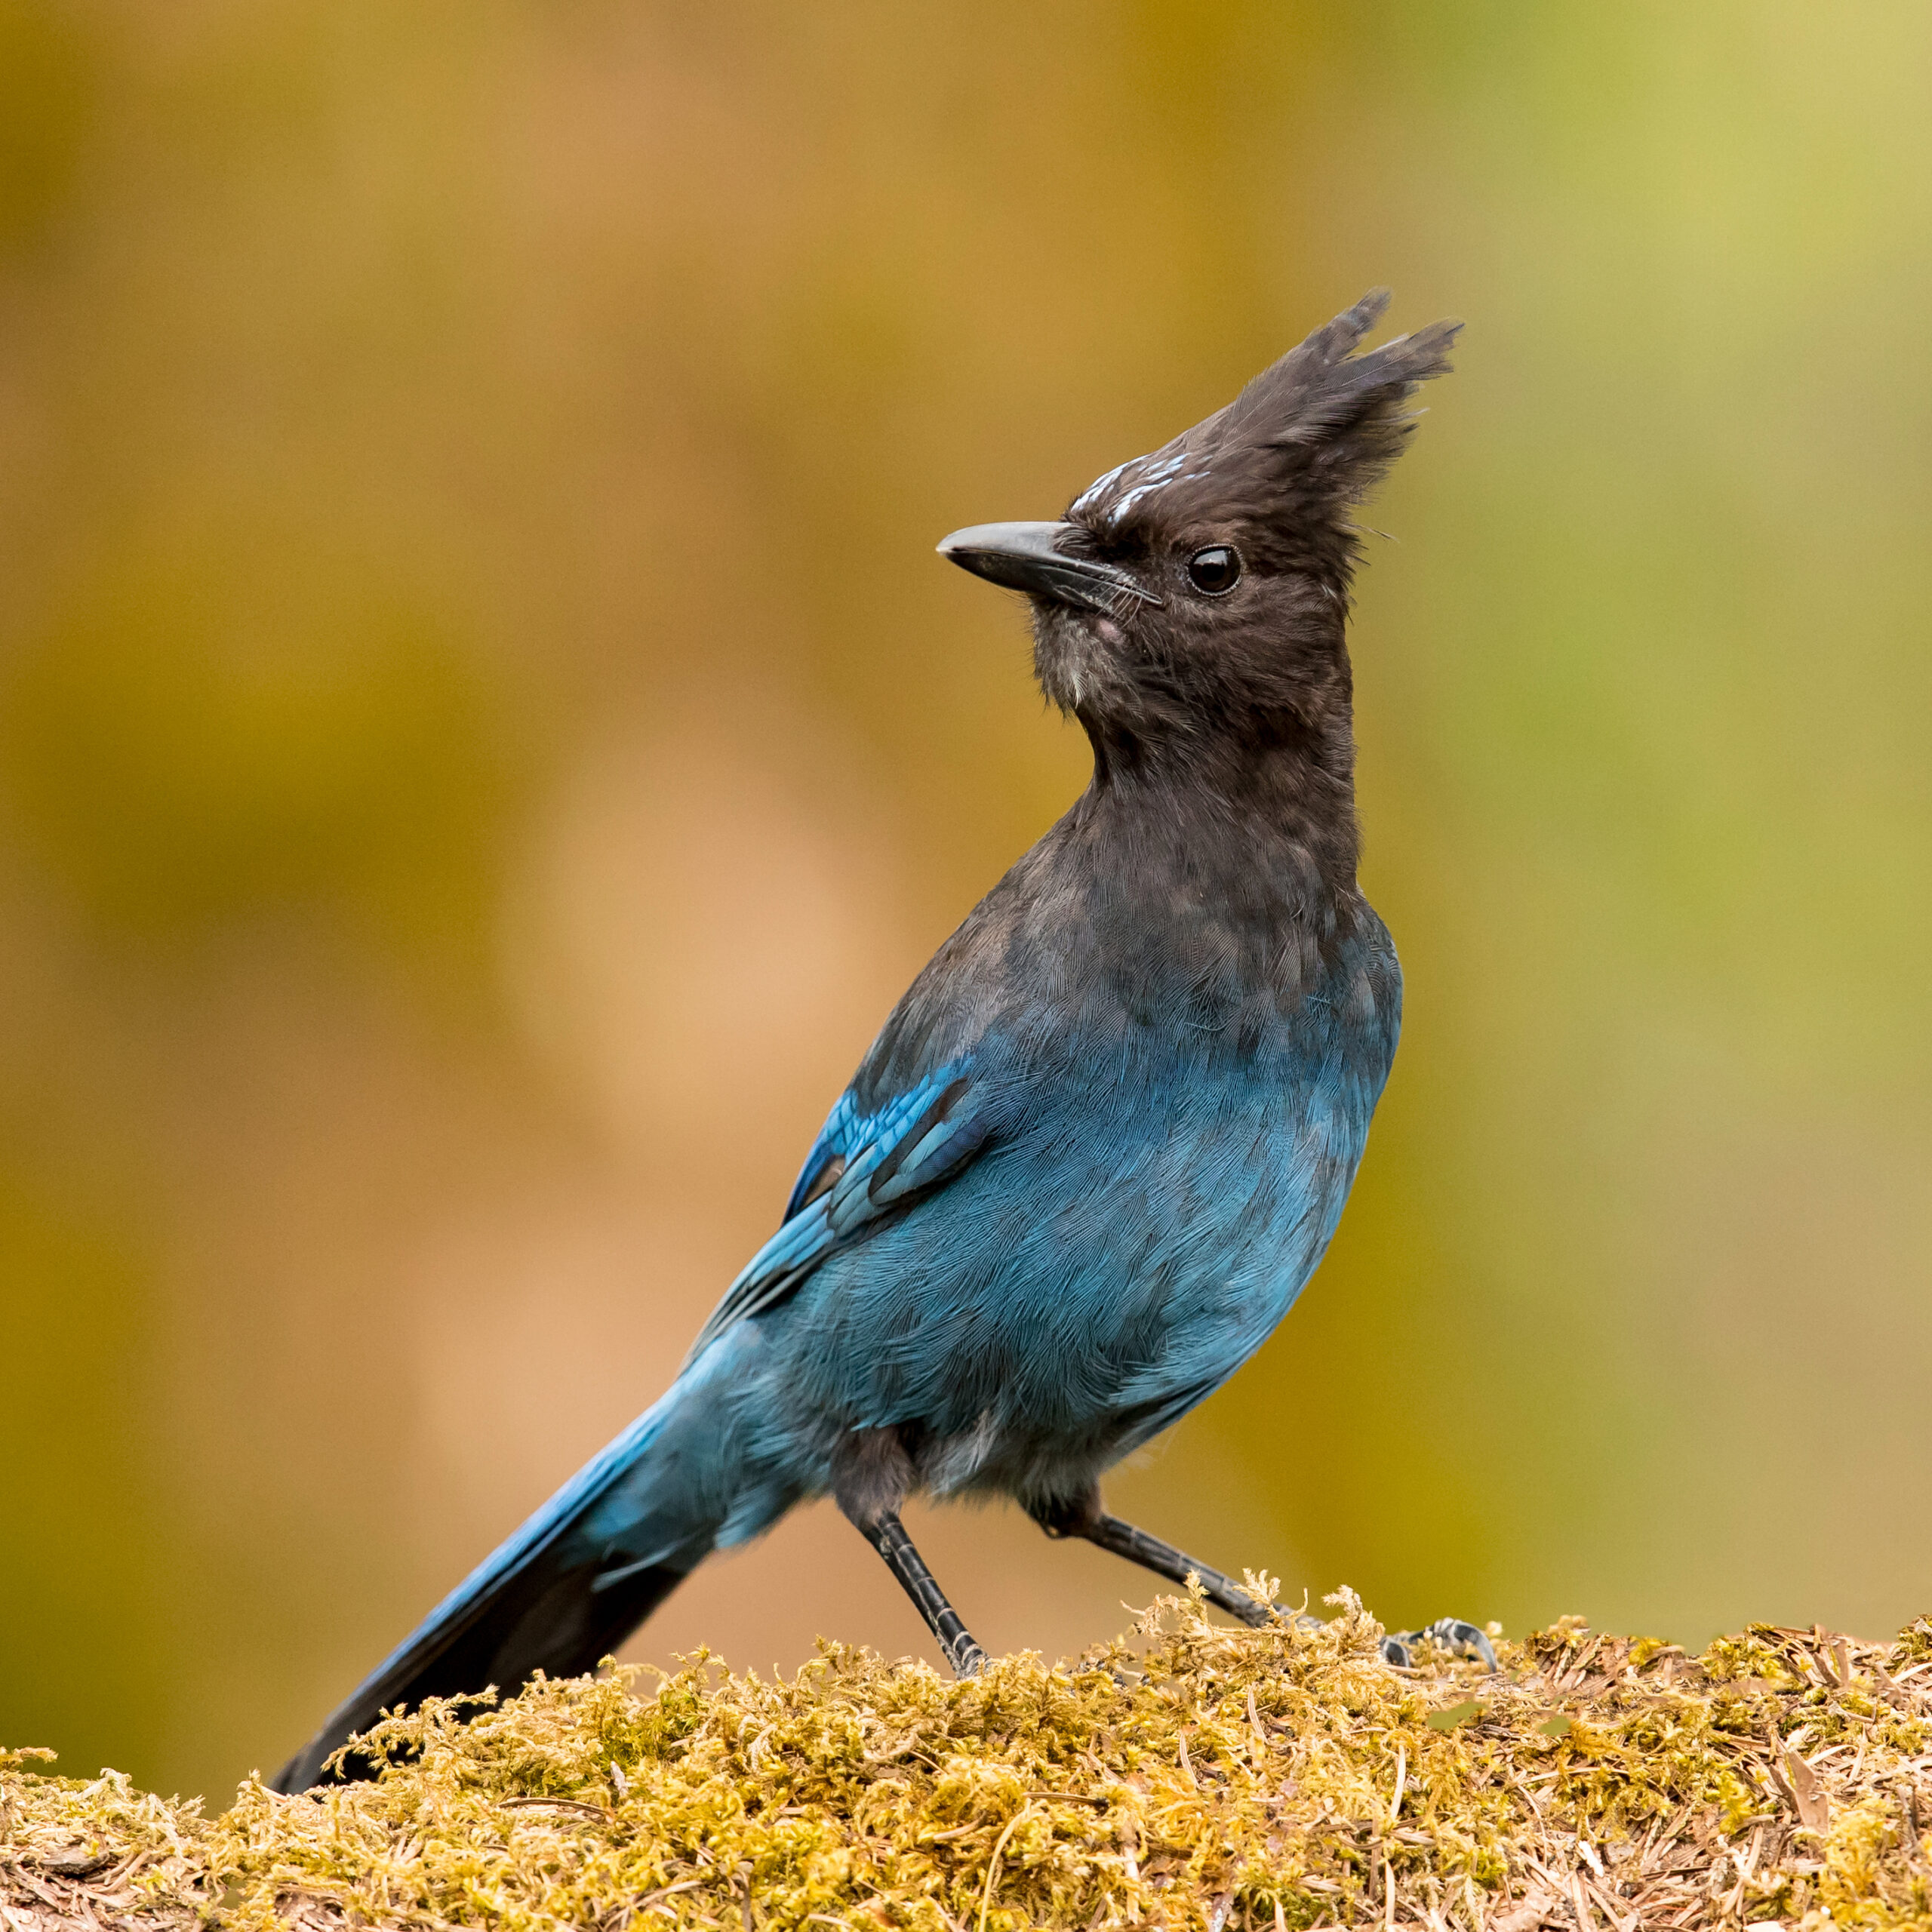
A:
(1222, 805)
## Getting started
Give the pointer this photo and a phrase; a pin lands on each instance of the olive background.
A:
(485, 738)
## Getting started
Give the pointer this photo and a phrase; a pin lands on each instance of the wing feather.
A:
(861, 1168)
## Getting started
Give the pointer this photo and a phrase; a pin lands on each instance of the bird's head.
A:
(1196, 596)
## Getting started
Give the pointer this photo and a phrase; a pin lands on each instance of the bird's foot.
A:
(1451, 1632)
(966, 1657)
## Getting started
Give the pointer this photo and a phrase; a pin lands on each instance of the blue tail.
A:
(576, 1580)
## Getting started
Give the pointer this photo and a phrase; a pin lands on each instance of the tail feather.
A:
(561, 1593)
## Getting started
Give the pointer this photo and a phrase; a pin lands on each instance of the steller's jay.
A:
(1105, 1138)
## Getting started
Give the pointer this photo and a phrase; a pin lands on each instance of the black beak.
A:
(1027, 556)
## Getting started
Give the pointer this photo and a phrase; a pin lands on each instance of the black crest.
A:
(1286, 461)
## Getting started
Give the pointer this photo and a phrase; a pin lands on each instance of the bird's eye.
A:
(1215, 570)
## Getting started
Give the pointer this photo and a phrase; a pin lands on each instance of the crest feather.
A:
(1309, 438)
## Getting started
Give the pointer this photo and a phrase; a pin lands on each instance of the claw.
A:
(1451, 1632)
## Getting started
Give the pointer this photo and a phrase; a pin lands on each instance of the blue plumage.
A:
(1103, 1140)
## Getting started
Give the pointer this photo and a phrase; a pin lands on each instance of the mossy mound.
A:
(1195, 1775)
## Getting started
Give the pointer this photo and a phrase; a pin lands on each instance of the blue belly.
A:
(1083, 1284)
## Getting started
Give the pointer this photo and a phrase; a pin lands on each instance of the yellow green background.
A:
(484, 737)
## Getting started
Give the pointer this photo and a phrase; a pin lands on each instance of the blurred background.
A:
(485, 738)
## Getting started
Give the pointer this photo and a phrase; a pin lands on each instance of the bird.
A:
(1101, 1143)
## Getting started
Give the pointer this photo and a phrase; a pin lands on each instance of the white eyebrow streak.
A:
(1100, 485)
(1174, 470)
(1154, 474)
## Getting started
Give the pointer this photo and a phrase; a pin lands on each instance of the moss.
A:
(1193, 1776)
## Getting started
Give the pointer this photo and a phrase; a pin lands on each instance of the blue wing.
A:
(863, 1167)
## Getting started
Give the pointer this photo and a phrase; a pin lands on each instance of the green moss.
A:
(1193, 1776)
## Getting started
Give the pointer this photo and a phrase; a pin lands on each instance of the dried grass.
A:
(1264, 1781)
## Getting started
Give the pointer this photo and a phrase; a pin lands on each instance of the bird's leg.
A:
(1451, 1632)
(1084, 1516)
(872, 1475)
(887, 1534)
